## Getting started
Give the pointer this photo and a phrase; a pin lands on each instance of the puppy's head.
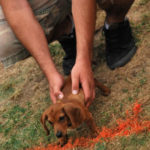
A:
(61, 117)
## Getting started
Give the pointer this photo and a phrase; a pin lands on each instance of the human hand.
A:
(55, 84)
(82, 73)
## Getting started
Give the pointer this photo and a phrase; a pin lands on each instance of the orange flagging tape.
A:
(132, 124)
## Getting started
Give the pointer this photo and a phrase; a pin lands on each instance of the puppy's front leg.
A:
(62, 141)
(91, 123)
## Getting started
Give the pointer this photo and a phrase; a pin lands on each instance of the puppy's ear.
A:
(44, 117)
(74, 113)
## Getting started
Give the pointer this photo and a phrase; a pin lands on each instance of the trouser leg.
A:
(11, 50)
(50, 17)
(120, 45)
(116, 10)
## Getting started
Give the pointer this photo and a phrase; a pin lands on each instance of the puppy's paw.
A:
(106, 92)
(63, 141)
(95, 133)
(60, 143)
(56, 143)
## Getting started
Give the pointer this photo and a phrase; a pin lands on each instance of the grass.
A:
(6, 90)
(24, 95)
(133, 142)
(100, 146)
(20, 126)
(55, 49)
(143, 2)
(19, 130)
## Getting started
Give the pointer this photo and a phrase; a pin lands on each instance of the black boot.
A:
(120, 44)
(68, 43)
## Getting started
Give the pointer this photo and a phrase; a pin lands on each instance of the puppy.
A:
(70, 112)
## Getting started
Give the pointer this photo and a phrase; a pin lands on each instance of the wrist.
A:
(84, 56)
(49, 70)
(84, 62)
(51, 75)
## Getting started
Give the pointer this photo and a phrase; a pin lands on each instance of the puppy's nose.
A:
(59, 134)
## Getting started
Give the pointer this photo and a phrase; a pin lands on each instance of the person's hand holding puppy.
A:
(82, 74)
(56, 83)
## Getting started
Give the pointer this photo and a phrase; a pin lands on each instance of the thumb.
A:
(75, 85)
(57, 93)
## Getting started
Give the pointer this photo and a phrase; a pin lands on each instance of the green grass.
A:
(133, 142)
(100, 146)
(20, 125)
(56, 49)
(21, 128)
(142, 28)
(143, 2)
(8, 88)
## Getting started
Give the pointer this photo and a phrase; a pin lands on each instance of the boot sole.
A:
(124, 60)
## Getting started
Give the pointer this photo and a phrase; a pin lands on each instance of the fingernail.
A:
(74, 92)
(60, 96)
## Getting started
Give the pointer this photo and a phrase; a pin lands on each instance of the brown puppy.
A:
(70, 112)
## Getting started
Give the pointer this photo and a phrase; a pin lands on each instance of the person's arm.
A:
(27, 29)
(84, 15)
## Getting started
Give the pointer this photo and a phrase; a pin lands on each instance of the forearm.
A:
(29, 32)
(84, 14)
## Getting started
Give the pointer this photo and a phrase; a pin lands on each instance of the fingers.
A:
(55, 85)
(75, 84)
(87, 82)
(89, 92)
(89, 101)
(56, 94)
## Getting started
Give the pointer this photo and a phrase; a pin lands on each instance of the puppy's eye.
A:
(61, 118)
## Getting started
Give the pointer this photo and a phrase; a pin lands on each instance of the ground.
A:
(24, 92)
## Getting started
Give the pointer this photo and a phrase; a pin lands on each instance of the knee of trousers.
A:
(114, 4)
(11, 50)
